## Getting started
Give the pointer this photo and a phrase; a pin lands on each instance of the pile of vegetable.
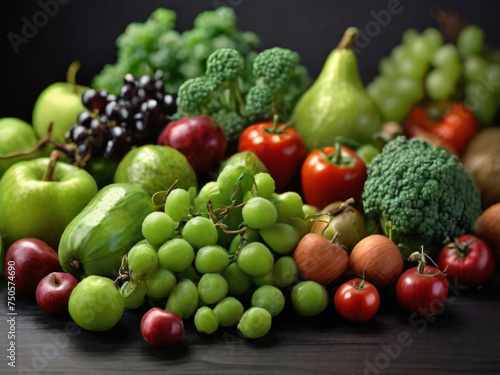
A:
(322, 204)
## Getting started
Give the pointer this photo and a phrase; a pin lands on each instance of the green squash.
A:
(96, 240)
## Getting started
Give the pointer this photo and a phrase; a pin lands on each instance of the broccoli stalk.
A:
(420, 195)
(220, 92)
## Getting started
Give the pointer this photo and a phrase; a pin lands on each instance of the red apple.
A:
(53, 291)
(27, 261)
(201, 140)
(160, 327)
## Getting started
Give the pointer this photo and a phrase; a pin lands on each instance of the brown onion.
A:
(320, 260)
(487, 228)
(379, 258)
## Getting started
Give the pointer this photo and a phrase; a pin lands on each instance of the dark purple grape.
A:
(95, 101)
(116, 112)
(78, 133)
(169, 104)
(84, 119)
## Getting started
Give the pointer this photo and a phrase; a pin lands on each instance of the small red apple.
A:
(201, 140)
(30, 260)
(160, 327)
(53, 291)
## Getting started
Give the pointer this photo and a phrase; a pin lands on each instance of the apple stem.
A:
(54, 157)
(71, 74)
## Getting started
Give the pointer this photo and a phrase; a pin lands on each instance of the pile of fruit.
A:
(225, 194)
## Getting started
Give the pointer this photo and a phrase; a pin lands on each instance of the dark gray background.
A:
(87, 30)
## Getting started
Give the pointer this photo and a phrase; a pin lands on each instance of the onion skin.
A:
(320, 260)
(379, 258)
(487, 228)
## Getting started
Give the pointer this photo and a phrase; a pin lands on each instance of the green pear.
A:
(60, 103)
(337, 104)
(16, 136)
(39, 197)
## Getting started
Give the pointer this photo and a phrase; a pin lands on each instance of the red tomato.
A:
(329, 176)
(422, 290)
(468, 260)
(280, 148)
(453, 123)
(357, 300)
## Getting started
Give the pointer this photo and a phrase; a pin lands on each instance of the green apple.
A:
(16, 135)
(60, 103)
(39, 197)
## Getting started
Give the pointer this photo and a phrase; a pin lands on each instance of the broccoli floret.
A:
(259, 102)
(420, 195)
(232, 123)
(194, 97)
(274, 66)
(225, 65)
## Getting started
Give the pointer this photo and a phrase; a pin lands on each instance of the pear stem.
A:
(347, 40)
(71, 74)
(54, 157)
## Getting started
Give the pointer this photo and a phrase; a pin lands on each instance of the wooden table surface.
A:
(462, 339)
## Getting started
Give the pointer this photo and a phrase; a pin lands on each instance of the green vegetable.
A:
(95, 241)
(420, 195)
(146, 47)
(337, 104)
(235, 100)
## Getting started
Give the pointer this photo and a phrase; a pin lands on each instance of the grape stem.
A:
(167, 192)
(35, 148)
(54, 157)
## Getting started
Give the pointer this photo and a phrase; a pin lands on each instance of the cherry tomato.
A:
(468, 260)
(332, 174)
(422, 289)
(280, 148)
(453, 123)
(357, 300)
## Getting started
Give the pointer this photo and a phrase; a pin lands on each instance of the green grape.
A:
(474, 67)
(438, 85)
(248, 195)
(470, 41)
(232, 222)
(210, 191)
(265, 184)
(309, 298)
(238, 282)
(445, 55)
(183, 299)
(259, 213)
(410, 89)
(411, 68)
(264, 279)
(492, 76)
(212, 287)
(158, 227)
(211, 258)
(255, 259)
(160, 283)
(288, 204)
(409, 35)
(280, 237)
(285, 272)
(190, 274)
(176, 255)
(270, 298)
(387, 67)
(133, 297)
(481, 101)
(418, 49)
(398, 53)
(142, 258)
(433, 37)
(231, 176)
(250, 235)
(228, 311)
(205, 320)
(309, 210)
(395, 108)
(200, 231)
(178, 204)
(379, 88)
(255, 323)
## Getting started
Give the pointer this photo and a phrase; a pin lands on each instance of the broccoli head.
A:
(274, 66)
(225, 65)
(194, 96)
(420, 195)
(259, 102)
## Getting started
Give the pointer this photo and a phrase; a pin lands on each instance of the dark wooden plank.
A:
(462, 339)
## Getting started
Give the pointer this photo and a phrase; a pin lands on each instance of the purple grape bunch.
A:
(115, 124)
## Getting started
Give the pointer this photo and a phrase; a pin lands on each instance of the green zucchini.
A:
(96, 240)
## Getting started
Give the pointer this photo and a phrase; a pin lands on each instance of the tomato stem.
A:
(361, 284)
